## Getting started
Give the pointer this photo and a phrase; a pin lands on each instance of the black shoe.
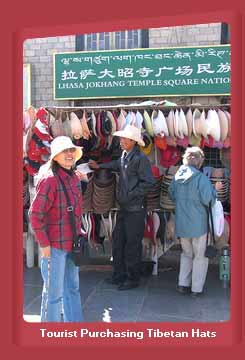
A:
(128, 284)
(183, 289)
(196, 294)
(113, 281)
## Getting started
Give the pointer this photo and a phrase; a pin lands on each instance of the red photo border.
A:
(24, 21)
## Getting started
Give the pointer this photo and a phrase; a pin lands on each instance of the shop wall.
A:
(39, 52)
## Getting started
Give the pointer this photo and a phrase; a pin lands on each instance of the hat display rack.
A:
(167, 129)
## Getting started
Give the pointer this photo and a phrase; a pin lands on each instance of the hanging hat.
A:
(229, 121)
(61, 143)
(223, 121)
(170, 123)
(183, 128)
(176, 124)
(76, 127)
(213, 126)
(131, 132)
(188, 117)
(121, 120)
(148, 123)
(200, 125)
(159, 123)
(139, 120)
(196, 115)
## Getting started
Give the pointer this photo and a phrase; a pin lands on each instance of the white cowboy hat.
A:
(131, 132)
(61, 143)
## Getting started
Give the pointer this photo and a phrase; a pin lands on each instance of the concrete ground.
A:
(155, 300)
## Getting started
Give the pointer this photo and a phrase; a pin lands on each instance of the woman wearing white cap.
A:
(50, 222)
(192, 192)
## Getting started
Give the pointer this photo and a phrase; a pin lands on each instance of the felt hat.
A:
(61, 143)
(160, 142)
(229, 121)
(139, 120)
(148, 144)
(76, 126)
(131, 132)
(176, 124)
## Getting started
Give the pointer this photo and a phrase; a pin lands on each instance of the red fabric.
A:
(48, 212)
(149, 228)
(170, 156)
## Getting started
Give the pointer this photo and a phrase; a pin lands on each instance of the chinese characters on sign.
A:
(145, 72)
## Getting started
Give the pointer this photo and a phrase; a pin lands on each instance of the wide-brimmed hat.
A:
(61, 143)
(131, 132)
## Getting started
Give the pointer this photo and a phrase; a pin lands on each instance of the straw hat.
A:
(61, 143)
(131, 132)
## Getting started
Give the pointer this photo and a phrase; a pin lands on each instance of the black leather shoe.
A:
(183, 289)
(113, 281)
(196, 294)
(129, 284)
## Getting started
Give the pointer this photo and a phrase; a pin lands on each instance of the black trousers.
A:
(127, 244)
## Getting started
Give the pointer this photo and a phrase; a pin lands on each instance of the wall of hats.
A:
(167, 129)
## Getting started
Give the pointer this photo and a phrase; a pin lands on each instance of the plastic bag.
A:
(218, 218)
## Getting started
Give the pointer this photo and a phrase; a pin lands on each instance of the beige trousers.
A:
(193, 263)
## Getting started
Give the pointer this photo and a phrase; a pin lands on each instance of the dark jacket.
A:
(135, 179)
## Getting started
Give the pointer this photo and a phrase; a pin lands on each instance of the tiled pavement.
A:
(155, 300)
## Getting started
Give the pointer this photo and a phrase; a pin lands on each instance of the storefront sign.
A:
(202, 70)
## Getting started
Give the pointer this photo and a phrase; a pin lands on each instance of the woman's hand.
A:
(81, 176)
(45, 251)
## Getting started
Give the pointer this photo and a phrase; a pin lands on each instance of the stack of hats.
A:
(165, 202)
(103, 191)
(87, 196)
(218, 174)
(153, 196)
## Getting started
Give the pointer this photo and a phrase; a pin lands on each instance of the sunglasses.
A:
(70, 150)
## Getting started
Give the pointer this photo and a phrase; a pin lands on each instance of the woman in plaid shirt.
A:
(50, 222)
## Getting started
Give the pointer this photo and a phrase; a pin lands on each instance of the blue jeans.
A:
(60, 288)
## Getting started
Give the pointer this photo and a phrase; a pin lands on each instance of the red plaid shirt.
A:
(48, 212)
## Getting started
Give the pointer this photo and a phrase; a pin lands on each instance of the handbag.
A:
(80, 250)
(211, 251)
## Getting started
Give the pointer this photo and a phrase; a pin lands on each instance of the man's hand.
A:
(93, 164)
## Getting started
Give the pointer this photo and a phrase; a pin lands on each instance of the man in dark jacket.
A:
(135, 180)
